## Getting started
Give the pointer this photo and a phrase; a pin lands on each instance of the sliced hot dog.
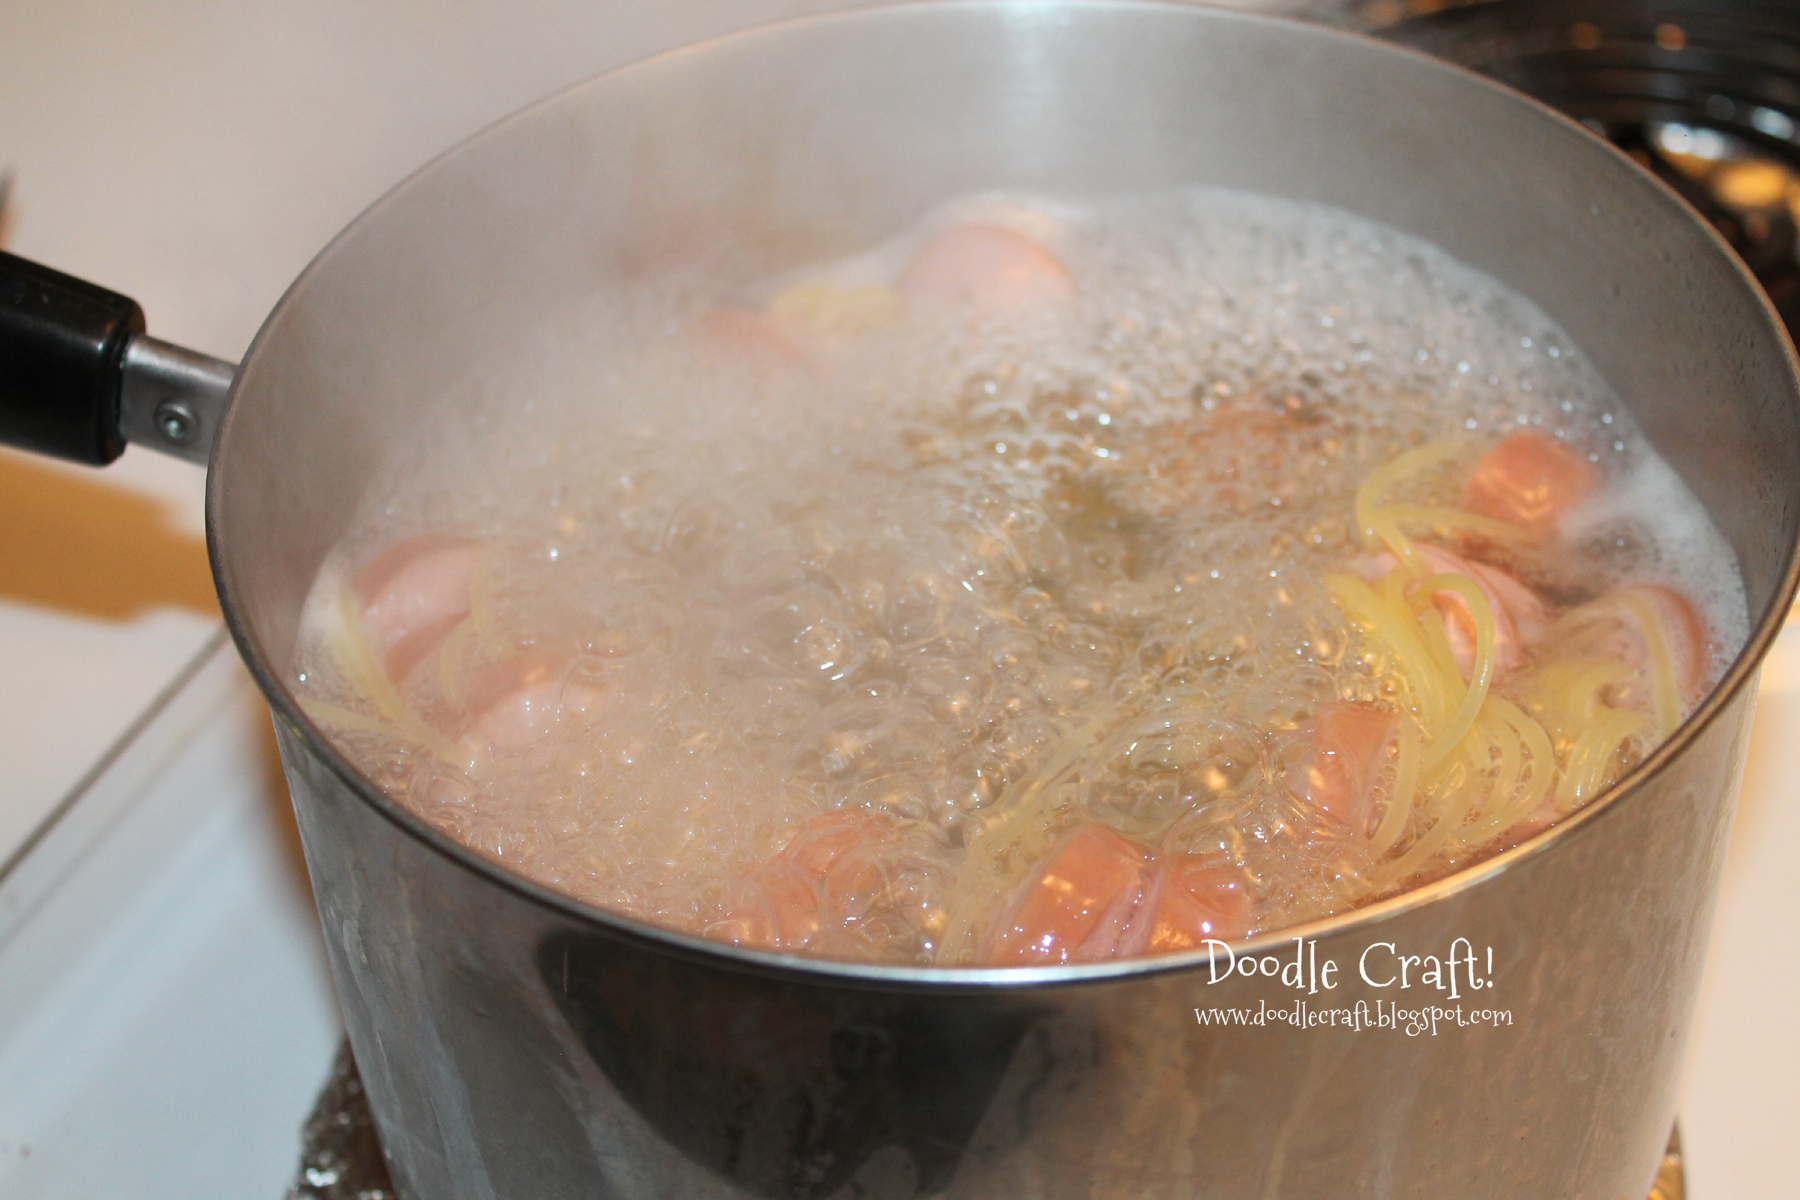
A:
(1627, 621)
(412, 595)
(1197, 901)
(827, 871)
(1077, 906)
(985, 267)
(1349, 738)
(1683, 632)
(523, 701)
(758, 341)
(1529, 480)
(1520, 618)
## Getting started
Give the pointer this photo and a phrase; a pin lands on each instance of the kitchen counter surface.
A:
(195, 154)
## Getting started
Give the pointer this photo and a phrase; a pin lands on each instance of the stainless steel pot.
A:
(517, 1044)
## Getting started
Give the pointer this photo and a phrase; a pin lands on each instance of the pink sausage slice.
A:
(1520, 620)
(1197, 901)
(1683, 632)
(1101, 897)
(412, 595)
(525, 700)
(1529, 480)
(754, 340)
(1349, 738)
(1077, 907)
(778, 907)
(985, 267)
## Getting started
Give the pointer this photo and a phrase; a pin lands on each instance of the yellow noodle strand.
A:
(1383, 528)
(1479, 764)
(1421, 851)
(1399, 631)
(1482, 675)
(1509, 770)
(1527, 788)
(1400, 801)
(1597, 749)
(1439, 641)
(1590, 763)
(1021, 810)
(1394, 588)
(357, 663)
(460, 651)
(1380, 528)
(1663, 686)
(1632, 609)
(344, 720)
(1441, 520)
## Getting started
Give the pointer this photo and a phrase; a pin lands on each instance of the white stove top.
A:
(165, 1018)
(166, 1014)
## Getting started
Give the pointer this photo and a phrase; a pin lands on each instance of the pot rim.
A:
(941, 979)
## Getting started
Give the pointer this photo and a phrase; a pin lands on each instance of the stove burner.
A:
(340, 1158)
(1704, 93)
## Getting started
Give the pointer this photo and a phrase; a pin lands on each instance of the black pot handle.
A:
(79, 377)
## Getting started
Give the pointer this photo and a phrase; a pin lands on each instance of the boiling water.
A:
(984, 576)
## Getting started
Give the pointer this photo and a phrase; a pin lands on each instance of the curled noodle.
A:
(1472, 765)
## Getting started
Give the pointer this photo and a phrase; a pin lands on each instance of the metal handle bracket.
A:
(171, 399)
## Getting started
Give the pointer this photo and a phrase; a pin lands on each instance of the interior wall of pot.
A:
(809, 141)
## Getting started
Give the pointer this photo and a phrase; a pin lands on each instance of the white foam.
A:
(1648, 502)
